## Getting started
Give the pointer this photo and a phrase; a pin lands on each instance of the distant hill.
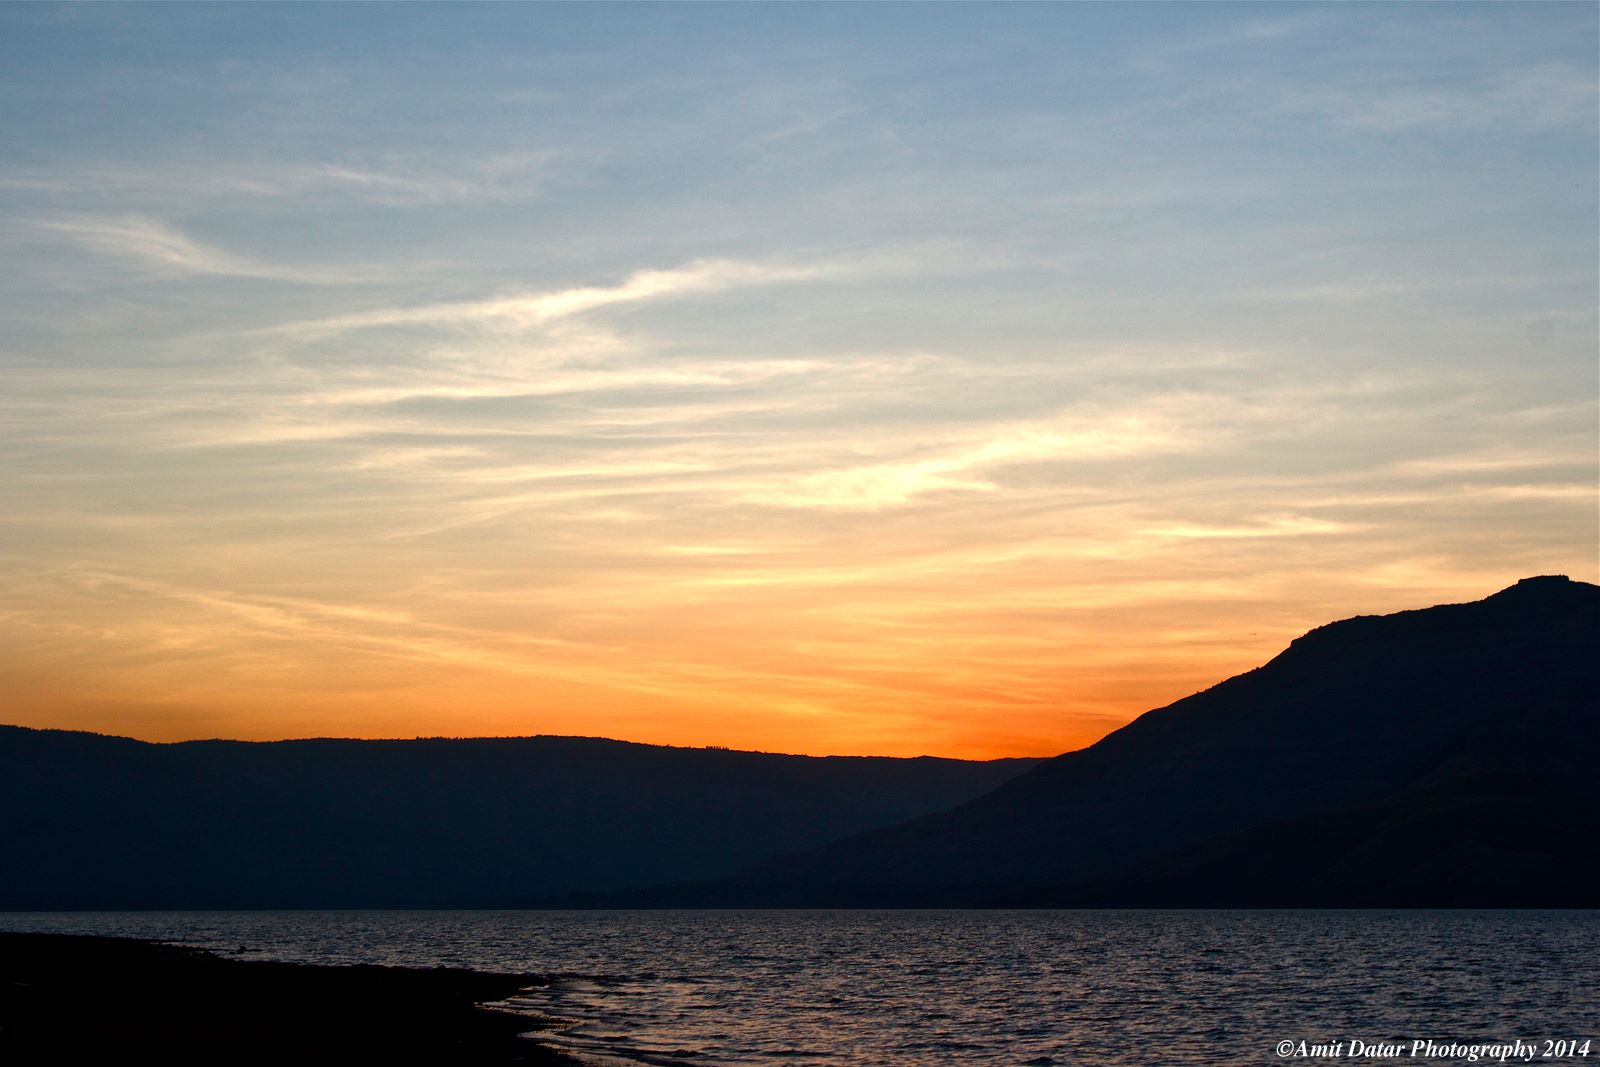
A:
(1440, 757)
(107, 822)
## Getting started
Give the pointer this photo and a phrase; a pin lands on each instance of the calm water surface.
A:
(903, 988)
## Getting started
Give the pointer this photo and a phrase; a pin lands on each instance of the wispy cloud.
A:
(526, 310)
(1274, 526)
(392, 181)
(881, 485)
(705, 394)
(164, 249)
(556, 382)
(1539, 97)
(1244, 34)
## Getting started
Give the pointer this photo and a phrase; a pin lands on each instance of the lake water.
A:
(912, 988)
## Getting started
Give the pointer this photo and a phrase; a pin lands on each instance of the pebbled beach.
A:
(67, 999)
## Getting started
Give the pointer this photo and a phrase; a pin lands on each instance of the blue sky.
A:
(960, 378)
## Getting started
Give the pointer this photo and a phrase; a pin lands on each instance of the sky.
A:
(895, 379)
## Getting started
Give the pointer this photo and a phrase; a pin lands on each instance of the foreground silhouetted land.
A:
(67, 1000)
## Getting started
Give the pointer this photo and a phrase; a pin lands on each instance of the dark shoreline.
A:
(77, 999)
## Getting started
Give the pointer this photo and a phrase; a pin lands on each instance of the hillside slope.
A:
(107, 822)
(1442, 744)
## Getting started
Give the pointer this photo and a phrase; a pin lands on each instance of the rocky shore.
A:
(68, 1000)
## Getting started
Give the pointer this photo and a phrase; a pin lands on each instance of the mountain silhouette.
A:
(1438, 757)
(108, 822)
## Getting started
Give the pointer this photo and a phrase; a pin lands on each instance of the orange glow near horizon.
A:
(962, 380)
(1048, 681)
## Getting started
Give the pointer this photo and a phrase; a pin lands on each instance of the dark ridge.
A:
(105, 822)
(1451, 749)
(1487, 840)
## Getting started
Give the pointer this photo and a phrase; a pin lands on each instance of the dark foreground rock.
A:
(68, 1000)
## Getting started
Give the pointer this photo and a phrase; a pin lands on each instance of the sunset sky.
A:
(894, 379)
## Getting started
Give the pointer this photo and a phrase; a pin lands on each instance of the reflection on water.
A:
(989, 988)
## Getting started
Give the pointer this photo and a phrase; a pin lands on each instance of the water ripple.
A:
(908, 988)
